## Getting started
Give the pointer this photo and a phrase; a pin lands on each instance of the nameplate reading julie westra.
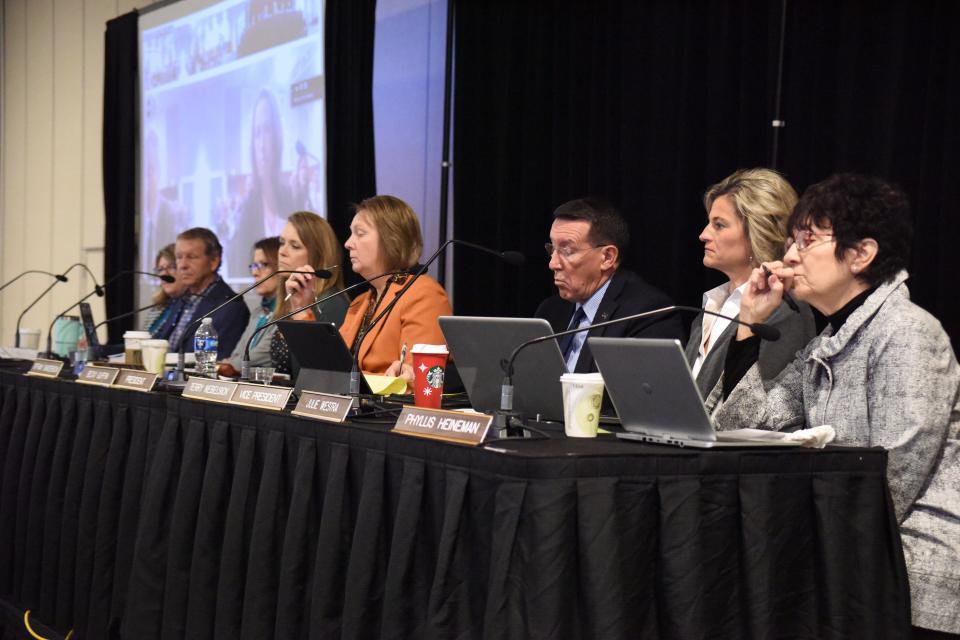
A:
(323, 406)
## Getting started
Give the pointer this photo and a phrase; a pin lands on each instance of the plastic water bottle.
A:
(205, 343)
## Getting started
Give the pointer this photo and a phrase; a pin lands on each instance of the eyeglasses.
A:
(259, 266)
(805, 239)
(164, 270)
(565, 252)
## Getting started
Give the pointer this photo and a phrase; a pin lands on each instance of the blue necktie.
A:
(566, 342)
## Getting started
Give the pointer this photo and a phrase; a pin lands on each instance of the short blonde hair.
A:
(399, 229)
(763, 199)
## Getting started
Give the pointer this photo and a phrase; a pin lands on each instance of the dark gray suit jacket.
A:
(627, 295)
(796, 330)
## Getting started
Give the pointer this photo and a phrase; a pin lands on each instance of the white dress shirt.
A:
(721, 300)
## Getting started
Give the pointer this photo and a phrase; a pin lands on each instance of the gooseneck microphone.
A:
(245, 362)
(98, 290)
(181, 348)
(511, 257)
(58, 276)
(127, 314)
(503, 418)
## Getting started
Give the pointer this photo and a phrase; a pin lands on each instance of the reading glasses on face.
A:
(565, 252)
(805, 239)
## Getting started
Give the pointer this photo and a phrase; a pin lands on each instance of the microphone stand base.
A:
(507, 424)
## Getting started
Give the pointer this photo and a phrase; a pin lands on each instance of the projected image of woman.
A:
(269, 201)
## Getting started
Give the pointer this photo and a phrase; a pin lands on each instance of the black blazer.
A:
(796, 330)
(229, 321)
(627, 294)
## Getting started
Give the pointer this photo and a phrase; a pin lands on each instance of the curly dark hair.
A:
(856, 207)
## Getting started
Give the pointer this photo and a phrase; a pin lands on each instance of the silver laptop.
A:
(478, 344)
(656, 397)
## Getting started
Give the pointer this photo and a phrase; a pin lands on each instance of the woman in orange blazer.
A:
(385, 236)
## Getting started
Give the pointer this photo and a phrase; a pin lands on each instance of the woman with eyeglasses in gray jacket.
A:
(882, 373)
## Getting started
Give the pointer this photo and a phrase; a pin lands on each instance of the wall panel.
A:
(52, 199)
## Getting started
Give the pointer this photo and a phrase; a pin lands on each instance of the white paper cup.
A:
(582, 397)
(131, 346)
(30, 339)
(154, 354)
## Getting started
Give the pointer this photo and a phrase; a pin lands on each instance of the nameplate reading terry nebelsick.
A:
(135, 380)
(210, 390)
(102, 376)
(261, 396)
(454, 426)
(323, 406)
(45, 368)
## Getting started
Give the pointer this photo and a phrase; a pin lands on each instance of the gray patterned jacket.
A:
(888, 378)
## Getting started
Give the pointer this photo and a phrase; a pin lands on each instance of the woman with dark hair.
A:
(264, 264)
(166, 265)
(385, 236)
(308, 243)
(882, 373)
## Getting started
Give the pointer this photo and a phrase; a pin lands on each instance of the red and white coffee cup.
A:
(429, 366)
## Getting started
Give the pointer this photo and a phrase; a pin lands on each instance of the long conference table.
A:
(146, 515)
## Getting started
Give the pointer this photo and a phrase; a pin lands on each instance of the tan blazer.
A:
(413, 320)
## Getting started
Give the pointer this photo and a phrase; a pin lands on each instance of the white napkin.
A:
(815, 437)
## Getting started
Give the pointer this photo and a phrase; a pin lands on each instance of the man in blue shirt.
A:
(199, 254)
(588, 240)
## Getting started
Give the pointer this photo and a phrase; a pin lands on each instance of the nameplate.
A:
(210, 390)
(323, 406)
(453, 426)
(45, 368)
(135, 380)
(261, 396)
(102, 376)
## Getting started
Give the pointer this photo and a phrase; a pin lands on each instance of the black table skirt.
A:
(134, 515)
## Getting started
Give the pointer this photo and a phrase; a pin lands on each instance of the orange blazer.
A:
(413, 320)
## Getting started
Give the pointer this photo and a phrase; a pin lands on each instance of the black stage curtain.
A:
(120, 131)
(649, 103)
(172, 518)
(351, 172)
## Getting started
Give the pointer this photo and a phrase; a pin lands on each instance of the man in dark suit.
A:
(199, 254)
(587, 243)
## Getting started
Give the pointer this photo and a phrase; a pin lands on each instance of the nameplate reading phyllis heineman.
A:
(45, 368)
(103, 376)
(135, 380)
(455, 426)
(323, 406)
(261, 396)
(208, 389)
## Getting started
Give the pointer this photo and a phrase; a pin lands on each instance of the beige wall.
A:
(51, 196)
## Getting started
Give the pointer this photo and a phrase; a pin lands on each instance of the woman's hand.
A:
(763, 295)
(226, 369)
(299, 287)
(405, 371)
